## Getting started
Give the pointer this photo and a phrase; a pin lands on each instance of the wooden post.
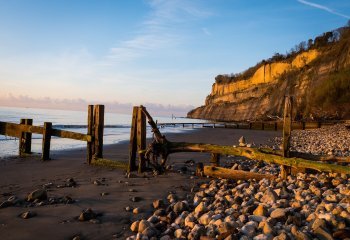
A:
(262, 126)
(98, 128)
(90, 131)
(275, 126)
(141, 138)
(133, 140)
(46, 141)
(215, 159)
(303, 125)
(287, 129)
(250, 125)
(25, 141)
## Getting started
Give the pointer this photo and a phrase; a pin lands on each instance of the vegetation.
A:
(325, 42)
(335, 91)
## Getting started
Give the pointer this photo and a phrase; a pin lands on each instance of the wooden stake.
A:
(215, 159)
(46, 141)
(25, 140)
(141, 137)
(133, 141)
(98, 128)
(287, 129)
(90, 131)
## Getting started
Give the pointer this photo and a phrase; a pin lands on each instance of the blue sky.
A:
(145, 52)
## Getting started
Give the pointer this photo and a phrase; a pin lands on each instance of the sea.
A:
(117, 130)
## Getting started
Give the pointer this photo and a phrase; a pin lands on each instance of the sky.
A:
(159, 53)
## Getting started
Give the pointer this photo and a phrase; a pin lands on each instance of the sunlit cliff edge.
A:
(316, 75)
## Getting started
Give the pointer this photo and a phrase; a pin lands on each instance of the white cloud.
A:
(322, 7)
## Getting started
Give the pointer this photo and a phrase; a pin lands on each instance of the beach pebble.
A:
(135, 226)
(180, 207)
(27, 215)
(159, 203)
(70, 182)
(135, 199)
(39, 194)
(136, 210)
(143, 224)
(87, 215)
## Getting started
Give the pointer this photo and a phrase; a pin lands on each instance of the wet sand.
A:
(19, 177)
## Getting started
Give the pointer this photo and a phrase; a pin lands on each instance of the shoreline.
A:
(19, 177)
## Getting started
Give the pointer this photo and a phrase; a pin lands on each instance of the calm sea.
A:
(73, 121)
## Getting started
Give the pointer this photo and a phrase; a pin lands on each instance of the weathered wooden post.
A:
(215, 159)
(25, 140)
(91, 132)
(46, 141)
(133, 140)
(98, 128)
(141, 138)
(287, 129)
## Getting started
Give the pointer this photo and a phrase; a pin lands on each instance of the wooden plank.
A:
(71, 135)
(141, 137)
(133, 140)
(90, 132)
(99, 125)
(15, 129)
(46, 141)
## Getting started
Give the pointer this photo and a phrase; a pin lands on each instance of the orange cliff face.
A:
(268, 73)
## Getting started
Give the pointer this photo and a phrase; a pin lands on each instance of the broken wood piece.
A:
(226, 173)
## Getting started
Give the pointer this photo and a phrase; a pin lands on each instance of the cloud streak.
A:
(161, 29)
(81, 105)
(324, 8)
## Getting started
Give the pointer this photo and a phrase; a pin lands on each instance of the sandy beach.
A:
(107, 192)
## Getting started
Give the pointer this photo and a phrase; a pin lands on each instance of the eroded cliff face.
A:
(262, 95)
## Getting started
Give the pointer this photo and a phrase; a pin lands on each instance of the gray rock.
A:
(249, 229)
(278, 213)
(269, 196)
(143, 224)
(150, 232)
(179, 207)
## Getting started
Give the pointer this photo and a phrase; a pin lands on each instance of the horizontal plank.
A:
(15, 129)
(71, 135)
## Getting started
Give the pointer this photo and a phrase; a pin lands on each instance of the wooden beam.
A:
(90, 132)
(133, 141)
(141, 137)
(98, 127)
(46, 141)
(71, 135)
(15, 129)
(219, 172)
(255, 154)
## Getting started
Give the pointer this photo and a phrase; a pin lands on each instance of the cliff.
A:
(309, 75)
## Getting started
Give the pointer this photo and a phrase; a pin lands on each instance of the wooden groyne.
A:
(24, 130)
(160, 147)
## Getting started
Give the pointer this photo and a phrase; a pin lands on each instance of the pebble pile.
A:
(332, 140)
(305, 206)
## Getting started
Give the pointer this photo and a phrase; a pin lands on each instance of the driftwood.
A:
(226, 173)
(162, 147)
